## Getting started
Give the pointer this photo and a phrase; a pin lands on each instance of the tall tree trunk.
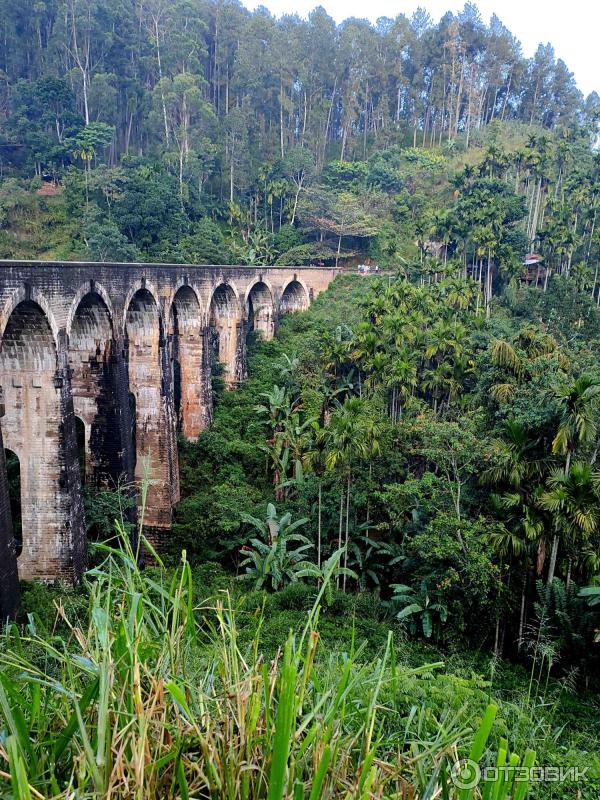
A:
(522, 611)
(341, 523)
(160, 75)
(366, 121)
(326, 136)
(553, 557)
(347, 536)
(319, 528)
(281, 96)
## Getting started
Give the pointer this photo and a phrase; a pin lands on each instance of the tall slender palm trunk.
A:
(347, 536)
(341, 524)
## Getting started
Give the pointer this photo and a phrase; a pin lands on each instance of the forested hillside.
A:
(201, 131)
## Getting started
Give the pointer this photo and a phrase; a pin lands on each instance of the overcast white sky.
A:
(571, 26)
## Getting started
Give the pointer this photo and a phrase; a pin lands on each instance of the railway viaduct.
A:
(123, 353)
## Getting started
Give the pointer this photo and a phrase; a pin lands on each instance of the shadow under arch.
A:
(93, 385)
(226, 333)
(15, 498)
(261, 310)
(294, 297)
(32, 296)
(151, 387)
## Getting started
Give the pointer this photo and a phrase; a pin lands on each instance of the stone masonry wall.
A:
(83, 339)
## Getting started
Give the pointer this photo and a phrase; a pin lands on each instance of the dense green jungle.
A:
(386, 558)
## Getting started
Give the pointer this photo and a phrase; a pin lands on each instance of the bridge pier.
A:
(150, 386)
(39, 427)
(190, 359)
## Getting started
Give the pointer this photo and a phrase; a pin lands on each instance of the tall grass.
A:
(152, 698)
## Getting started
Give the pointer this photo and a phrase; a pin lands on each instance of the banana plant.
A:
(278, 555)
(418, 606)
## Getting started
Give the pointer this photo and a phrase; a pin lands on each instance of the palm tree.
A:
(277, 408)
(517, 462)
(402, 378)
(314, 459)
(523, 357)
(519, 536)
(580, 401)
(460, 293)
(578, 424)
(518, 465)
(346, 441)
(573, 498)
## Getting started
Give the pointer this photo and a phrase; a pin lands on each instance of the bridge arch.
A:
(260, 308)
(89, 288)
(225, 320)
(34, 429)
(183, 289)
(91, 343)
(295, 296)
(189, 351)
(143, 286)
(23, 294)
(150, 384)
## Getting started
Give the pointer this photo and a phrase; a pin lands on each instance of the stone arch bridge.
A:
(124, 352)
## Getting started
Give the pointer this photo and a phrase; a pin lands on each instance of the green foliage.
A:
(435, 429)
(141, 648)
(275, 559)
(103, 239)
(104, 508)
(205, 244)
(419, 604)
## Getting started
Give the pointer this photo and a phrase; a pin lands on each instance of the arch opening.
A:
(91, 330)
(261, 315)
(28, 344)
(13, 473)
(90, 360)
(142, 323)
(151, 404)
(226, 336)
(294, 298)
